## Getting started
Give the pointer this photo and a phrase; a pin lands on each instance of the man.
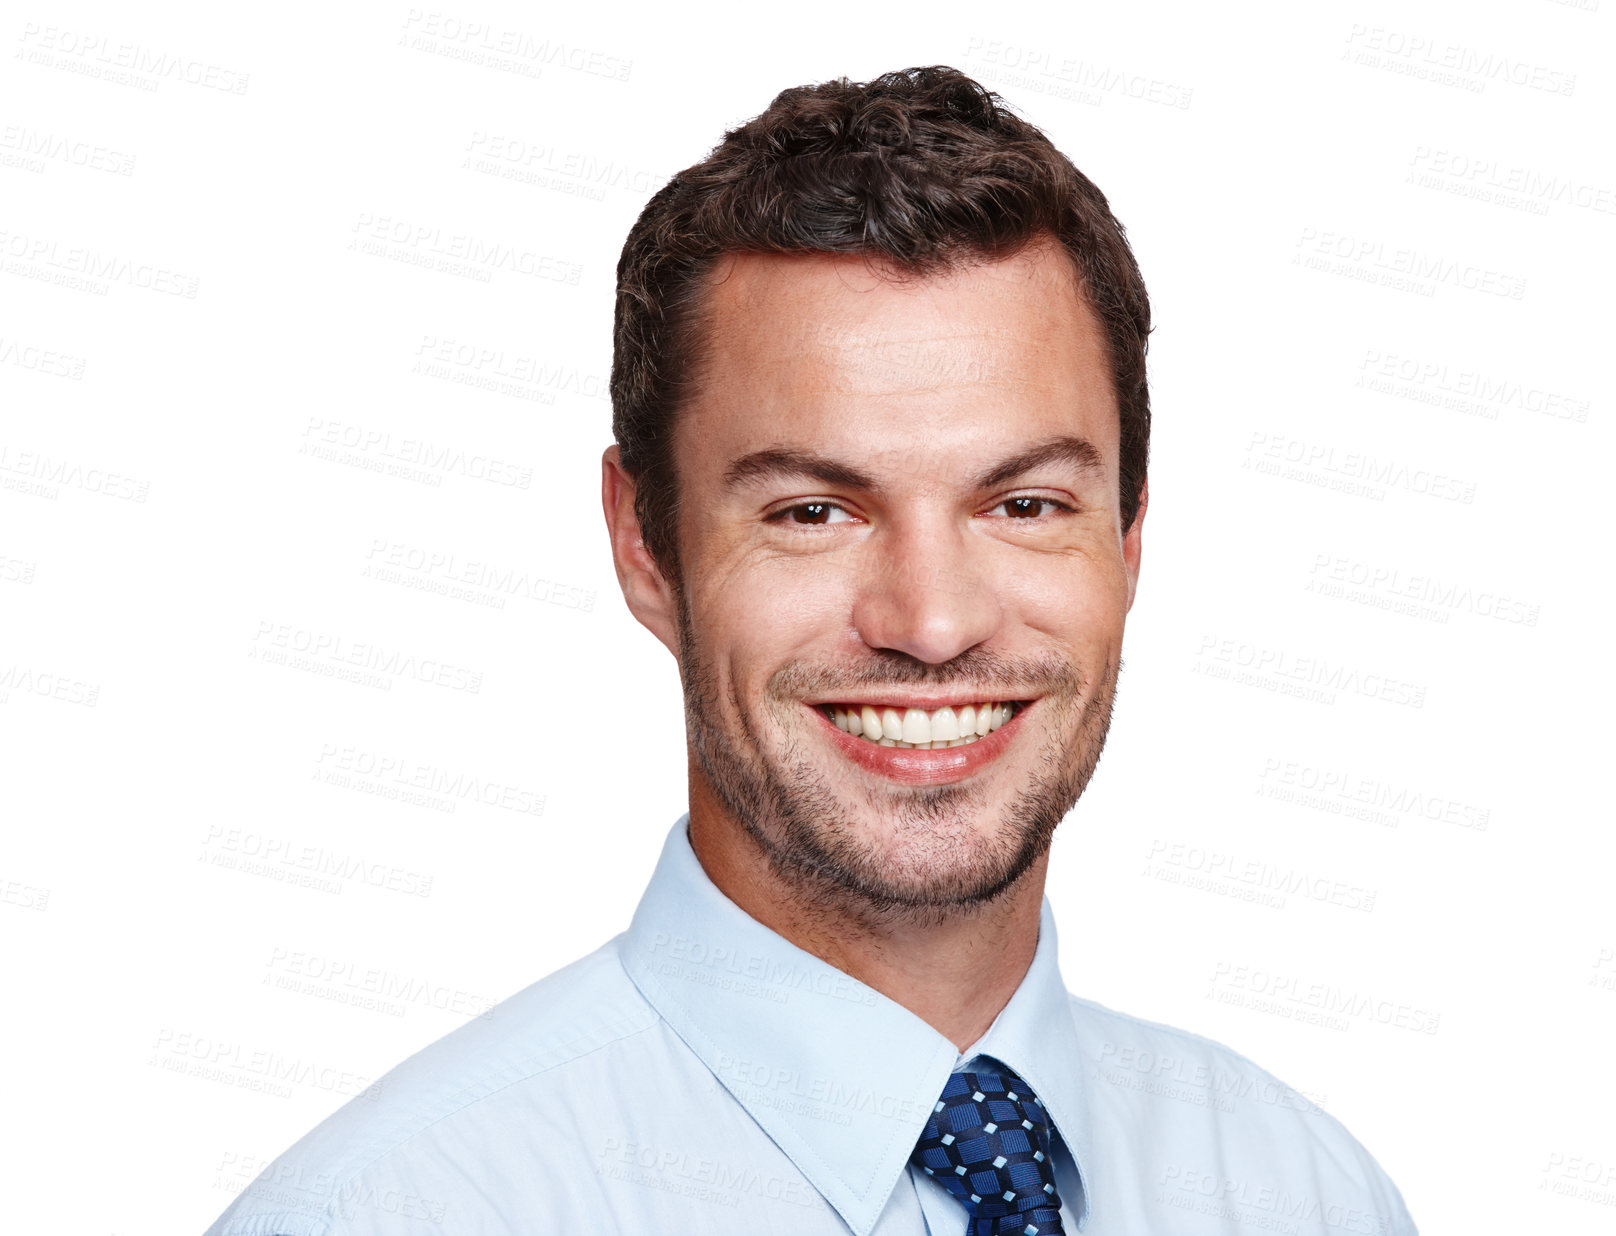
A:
(882, 424)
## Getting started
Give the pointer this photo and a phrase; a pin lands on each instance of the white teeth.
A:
(917, 729)
(891, 724)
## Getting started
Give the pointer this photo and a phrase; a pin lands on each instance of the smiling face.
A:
(904, 576)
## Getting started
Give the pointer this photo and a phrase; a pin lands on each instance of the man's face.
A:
(899, 499)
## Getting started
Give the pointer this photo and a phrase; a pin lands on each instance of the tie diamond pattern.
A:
(987, 1143)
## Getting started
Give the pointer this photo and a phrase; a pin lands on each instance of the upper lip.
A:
(901, 699)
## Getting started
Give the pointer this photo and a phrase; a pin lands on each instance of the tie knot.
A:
(987, 1143)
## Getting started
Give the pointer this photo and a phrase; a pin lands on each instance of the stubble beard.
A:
(932, 865)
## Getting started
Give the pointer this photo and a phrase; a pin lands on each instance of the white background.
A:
(1356, 758)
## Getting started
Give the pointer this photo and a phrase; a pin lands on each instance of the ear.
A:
(1132, 544)
(650, 597)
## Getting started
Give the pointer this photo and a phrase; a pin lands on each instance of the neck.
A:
(955, 969)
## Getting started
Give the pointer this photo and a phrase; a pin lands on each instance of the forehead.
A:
(838, 353)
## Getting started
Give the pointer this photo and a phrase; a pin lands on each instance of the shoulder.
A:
(1214, 1119)
(575, 1015)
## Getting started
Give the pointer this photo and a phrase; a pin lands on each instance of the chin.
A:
(931, 859)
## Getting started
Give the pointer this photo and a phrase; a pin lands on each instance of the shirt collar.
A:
(841, 1077)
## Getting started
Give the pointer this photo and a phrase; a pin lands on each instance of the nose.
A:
(925, 590)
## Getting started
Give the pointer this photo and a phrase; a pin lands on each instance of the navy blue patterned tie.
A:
(987, 1143)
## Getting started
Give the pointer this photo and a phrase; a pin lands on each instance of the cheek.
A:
(755, 616)
(1079, 599)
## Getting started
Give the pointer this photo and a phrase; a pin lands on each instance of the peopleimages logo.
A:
(827, 1093)
(353, 764)
(1260, 1204)
(698, 1177)
(91, 269)
(35, 359)
(325, 647)
(35, 148)
(202, 1055)
(1368, 258)
(1048, 71)
(481, 43)
(1463, 389)
(1450, 64)
(1313, 677)
(1485, 178)
(1260, 874)
(386, 236)
(518, 158)
(283, 859)
(768, 971)
(1418, 586)
(1123, 1059)
(324, 437)
(468, 578)
(1261, 986)
(129, 64)
(1344, 792)
(349, 981)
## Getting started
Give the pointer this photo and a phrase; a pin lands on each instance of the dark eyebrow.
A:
(790, 462)
(787, 462)
(1078, 453)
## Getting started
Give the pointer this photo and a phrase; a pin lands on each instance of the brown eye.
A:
(1033, 508)
(811, 513)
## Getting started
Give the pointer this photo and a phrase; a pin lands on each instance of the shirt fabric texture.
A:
(700, 1074)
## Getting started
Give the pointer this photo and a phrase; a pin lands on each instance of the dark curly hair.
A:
(923, 168)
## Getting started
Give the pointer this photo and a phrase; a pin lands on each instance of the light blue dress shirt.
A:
(699, 1074)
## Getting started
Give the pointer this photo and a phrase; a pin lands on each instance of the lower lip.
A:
(913, 766)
